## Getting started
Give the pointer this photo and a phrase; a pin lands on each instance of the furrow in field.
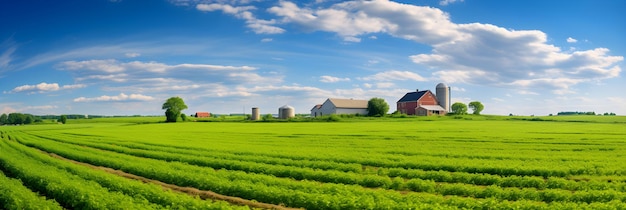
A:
(360, 179)
(558, 168)
(495, 192)
(154, 192)
(324, 165)
(69, 190)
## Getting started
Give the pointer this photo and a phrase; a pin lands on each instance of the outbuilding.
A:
(340, 106)
(422, 103)
(202, 114)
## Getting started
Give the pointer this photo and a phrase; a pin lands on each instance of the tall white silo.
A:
(443, 96)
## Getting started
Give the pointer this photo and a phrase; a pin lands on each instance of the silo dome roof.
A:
(286, 107)
(441, 85)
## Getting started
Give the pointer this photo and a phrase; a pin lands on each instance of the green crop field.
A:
(470, 162)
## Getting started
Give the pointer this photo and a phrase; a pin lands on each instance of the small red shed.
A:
(202, 114)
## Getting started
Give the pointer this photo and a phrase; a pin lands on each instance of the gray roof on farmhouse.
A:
(349, 103)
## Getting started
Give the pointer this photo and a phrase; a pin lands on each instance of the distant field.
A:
(472, 162)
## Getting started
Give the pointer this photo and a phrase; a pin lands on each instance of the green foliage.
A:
(14, 195)
(4, 119)
(459, 108)
(490, 162)
(377, 107)
(183, 117)
(63, 119)
(267, 117)
(173, 108)
(476, 107)
(332, 118)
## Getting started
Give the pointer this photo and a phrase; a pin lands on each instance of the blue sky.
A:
(127, 57)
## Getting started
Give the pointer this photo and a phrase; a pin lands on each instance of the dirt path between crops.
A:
(204, 194)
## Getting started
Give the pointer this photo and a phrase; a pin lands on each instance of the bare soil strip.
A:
(204, 194)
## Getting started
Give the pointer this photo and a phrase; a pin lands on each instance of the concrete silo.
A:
(286, 112)
(255, 114)
(443, 96)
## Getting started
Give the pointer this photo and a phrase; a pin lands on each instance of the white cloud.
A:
(498, 99)
(458, 89)
(385, 85)
(44, 107)
(331, 79)
(495, 56)
(117, 98)
(267, 40)
(446, 2)
(6, 109)
(243, 12)
(7, 56)
(45, 87)
(351, 39)
(571, 40)
(114, 66)
(111, 77)
(526, 92)
(355, 18)
(132, 55)
(474, 53)
(394, 75)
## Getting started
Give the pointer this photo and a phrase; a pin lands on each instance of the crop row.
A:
(152, 193)
(380, 181)
(371, 180)
(432, 163)
(310, 195)
(69, 190)
(14, 195)
(222, 160)
(325, 165)
(435, 163)
(508, 181)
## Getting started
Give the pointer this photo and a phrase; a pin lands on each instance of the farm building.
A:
(340, 106)
(286, 112)
(425, 103)
(202, 114)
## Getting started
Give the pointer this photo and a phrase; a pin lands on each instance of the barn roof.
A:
(432, 107)
(203, 114)
(412, 96)
(349, 103)
(317, 106)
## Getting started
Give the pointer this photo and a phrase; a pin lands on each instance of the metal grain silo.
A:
(443, 96)
(286, 112)
(255, 114)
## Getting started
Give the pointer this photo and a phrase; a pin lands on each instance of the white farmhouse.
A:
(340, 106)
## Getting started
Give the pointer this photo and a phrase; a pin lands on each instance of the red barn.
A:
(422, 103)
(202, 114)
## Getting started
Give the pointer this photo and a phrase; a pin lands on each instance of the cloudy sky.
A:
(126, 57)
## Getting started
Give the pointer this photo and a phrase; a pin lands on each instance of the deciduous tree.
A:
(63, 119)
(3, 119)
(459, 108)
(173, 107)
(476, 106)
(377, 107)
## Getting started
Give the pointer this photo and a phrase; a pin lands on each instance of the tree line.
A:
(23, 119)
(459, 108)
